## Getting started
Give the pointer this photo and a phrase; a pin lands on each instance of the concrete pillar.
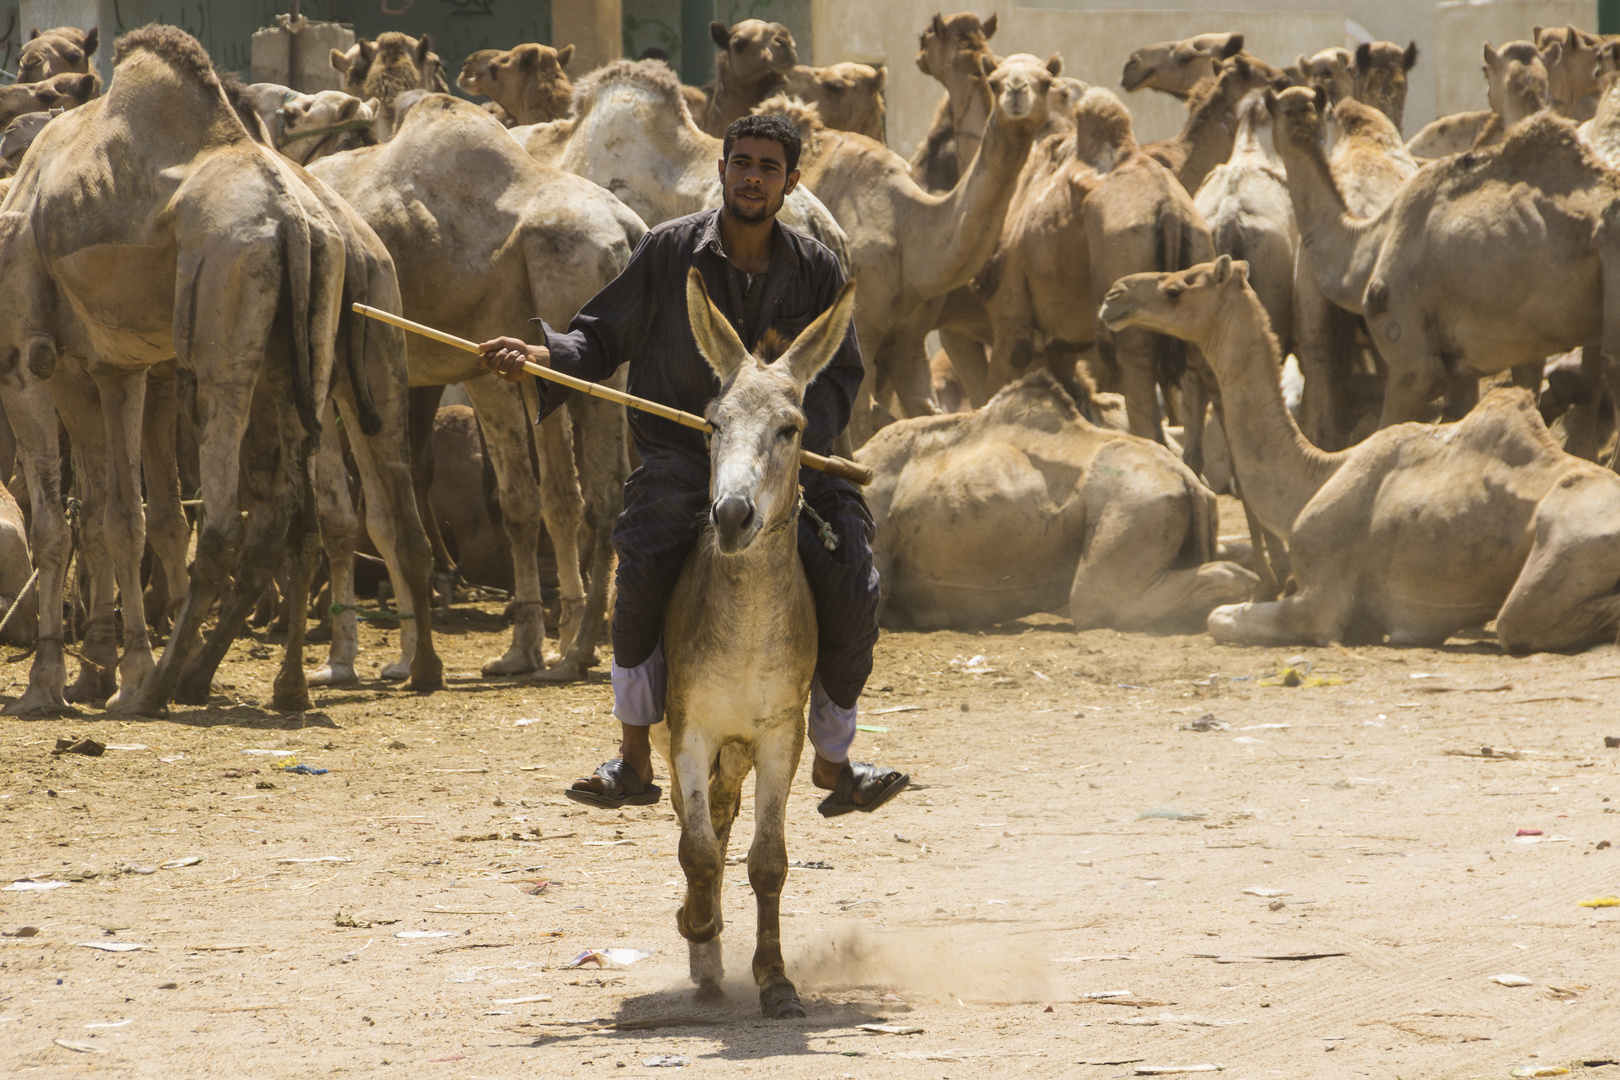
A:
(314, 56)
(594, 27)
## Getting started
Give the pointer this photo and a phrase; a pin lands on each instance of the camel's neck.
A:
(1343, 249)
(963, 224)
(1205, 141)
(1280, 471)
(970, 105)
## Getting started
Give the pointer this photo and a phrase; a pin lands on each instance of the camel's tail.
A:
(299, 275)
(355, 290)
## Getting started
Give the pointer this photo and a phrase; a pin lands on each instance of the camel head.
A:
(851, 93)
(1331, 69)
(754, 50)
(305, 118)
(1575, 72)
(954, 43)
(1380, 76)
(59, 51)
(1608, 61)
(1175, 67)
(19, 136)
(1297, 116)
(1021, 86)
(67, 91)
(1516, 77)
(1187, 304)
(476, 78)
(758, 416)
(389, 66)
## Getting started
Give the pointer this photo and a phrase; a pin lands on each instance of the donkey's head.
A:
(758, 417)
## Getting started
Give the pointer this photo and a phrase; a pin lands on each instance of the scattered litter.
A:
(302, 770)
(1171, 814)
(1130, 686)
(1260, 727)
(526, 721)
(112, 946)
(1165, 1070)
(1207, 722)
(974, 665)
(1511, 980)
(413, 934)
(1213, 679)
(130, 746)
(176, 864)
(872, 728)
(230, 946)
(891, 1029)
(87, 747)
(1538, 1070)
(33, 886)
(1596, 901)
(531, 999)
(1537, 839)
(666, 1061)
(1086, 959)
(1611, 741)
(895, 709)
(1249, 740)
(609, 958)
(1528, 832)
(114, 1024)
(20, 931)
(271, 753)
(817, 864)
(610, 843)
(1264, 894)
(318, 858)
(1101, 995)
(903, 838)
(81, 1047)
(1224, 958)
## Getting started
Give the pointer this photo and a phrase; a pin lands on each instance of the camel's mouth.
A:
(1117, 308)
(1017, 104)
(1136, 73)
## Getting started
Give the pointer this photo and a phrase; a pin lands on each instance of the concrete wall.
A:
(1462, 28)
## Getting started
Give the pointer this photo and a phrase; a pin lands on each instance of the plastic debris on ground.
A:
(1103, 995)
(1528, 832)
(973, 665)
(271, 753)
(1538, 1070)
(301, 770)
(1207, 722)
(1601, 901)
(81, 1047)
(1538, 839)
(609, 958)
(1264, 894)
(1166, 1070)
(532, 998)
(411, 934)
(891, 1029)
(112, 946)
(26, 885)
(87, 747)
(1172, 814)
(176, 864)
(1512, 980)
(666, 1061)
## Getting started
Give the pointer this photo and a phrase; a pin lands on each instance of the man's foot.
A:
(614, 784)
(862, 787)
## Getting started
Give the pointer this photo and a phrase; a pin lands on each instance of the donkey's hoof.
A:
(710, 991)
(781, 1002)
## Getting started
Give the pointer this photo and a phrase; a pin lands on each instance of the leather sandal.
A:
(620, 787)
(874, 783)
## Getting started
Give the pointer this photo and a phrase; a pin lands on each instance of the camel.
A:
(1176, 67)
(1449, 134)
(16, 565)
(631, 133)
(304, 127)
(849, 96)
(551, 241)
(740, 642)
(528, 82)
(1205, 141)
(67, 91)
(60, 50)
(1417, 532)
(1380, 77)
(1369, 165)
(108, 284)
(1518, 81)
(18, 136)
(1482, 262)
(386, 68)
(754, 59)
(1046, 513)
(954, 49)
(1574, 80)
(1091, 208)
(1602, 132)
(1331, 69)
(908, 247)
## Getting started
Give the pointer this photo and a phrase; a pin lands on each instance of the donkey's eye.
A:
(787, 432)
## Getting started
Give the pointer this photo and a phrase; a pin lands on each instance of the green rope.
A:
(379, 615)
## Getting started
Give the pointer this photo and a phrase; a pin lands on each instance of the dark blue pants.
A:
(665, 509)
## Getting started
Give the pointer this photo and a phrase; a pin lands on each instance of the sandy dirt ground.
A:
(1076, 884)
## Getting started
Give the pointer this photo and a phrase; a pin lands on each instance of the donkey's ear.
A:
(716, 340)
(821, 340)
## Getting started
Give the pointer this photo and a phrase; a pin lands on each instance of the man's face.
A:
(754, 179)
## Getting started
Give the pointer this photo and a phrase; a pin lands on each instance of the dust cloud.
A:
(934, 962)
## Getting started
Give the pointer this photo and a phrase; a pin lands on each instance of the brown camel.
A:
(60, 50)
(528, 82)
(1518, 82)
(1482, 262)
(1573, 76)
(388, 67)
(57, 92)
(1205, 141)
(1176, 67)
(16, 566)
(126, 211)
(954, 49)
(1380, 77)
(1023, 506)
(848, 96)
(909, 247)
(1331, 69)
(754, 59)
(1416, 533)
(1602, 132)
(550, 242)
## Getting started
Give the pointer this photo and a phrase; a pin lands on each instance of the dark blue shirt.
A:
(640, 318)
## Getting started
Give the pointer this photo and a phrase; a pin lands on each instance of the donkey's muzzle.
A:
(733, 518)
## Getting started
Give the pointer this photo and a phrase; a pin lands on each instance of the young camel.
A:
(57, 51)
(1419, 531)
(754, 59)
(740, 641)
(528, 82)
(1024, 506)
(1207, 137)
(386, 68)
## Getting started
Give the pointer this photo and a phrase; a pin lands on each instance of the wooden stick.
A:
(836, 466)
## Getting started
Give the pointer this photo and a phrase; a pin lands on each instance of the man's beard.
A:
(764, 213)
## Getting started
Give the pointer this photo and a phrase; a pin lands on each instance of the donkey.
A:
(740, 640)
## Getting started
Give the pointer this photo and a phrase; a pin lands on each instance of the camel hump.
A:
(170, 44)
(1037, 401)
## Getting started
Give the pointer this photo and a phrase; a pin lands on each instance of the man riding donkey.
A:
(770, 282)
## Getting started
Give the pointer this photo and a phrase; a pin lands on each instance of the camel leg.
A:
(776, 759)
(1306, 618)
(971, 362)
(167, 529)
(340, 528)
(1415, 379)
(1010, 353)
(562, 505)
(1196, 401)
(1129, 578)
(1565, 596)
(79, 406)
(290, 692)
(395, 525)
(505, 426)
(1581, 419)
(1269, 588)
(32, 415)
(1321, 331)
(422, 408)
(1138, 382)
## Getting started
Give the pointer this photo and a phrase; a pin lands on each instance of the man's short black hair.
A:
(773, 128)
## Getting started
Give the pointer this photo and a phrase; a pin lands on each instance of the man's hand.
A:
(505, 356)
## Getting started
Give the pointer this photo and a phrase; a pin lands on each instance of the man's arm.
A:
(828, 401)
(611, 328)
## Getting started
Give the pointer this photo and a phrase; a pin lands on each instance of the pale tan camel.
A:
(1369, 166)
(1518, 82)
(60, 50)
(1206, 139)
(1573, 76)
(19, 135)
(528, 81)
(754, 59)
(1176, 67)
(57, 92)
(740, 642)
(1091, 208)
(1023, 506)
(1449, 134)
(849, 96)
(549, 242)
(954, 49)
(1331, 69)
(1416, 533)
(1482, 262)
(908, 247)
(388, 67)
(1380, 77)
(1602, 132)
(16, 566)
(217, 216)
(304, 127)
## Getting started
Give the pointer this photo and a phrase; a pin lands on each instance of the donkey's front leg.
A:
(702, 854)
(775, 762)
